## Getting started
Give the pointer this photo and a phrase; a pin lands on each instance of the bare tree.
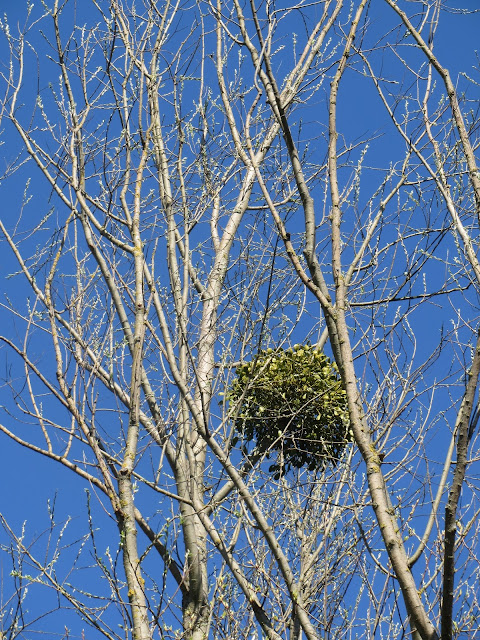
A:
(196, 192)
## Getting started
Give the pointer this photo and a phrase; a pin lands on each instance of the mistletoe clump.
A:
(292, 402)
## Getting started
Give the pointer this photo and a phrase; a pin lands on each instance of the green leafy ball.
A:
(292, 402)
